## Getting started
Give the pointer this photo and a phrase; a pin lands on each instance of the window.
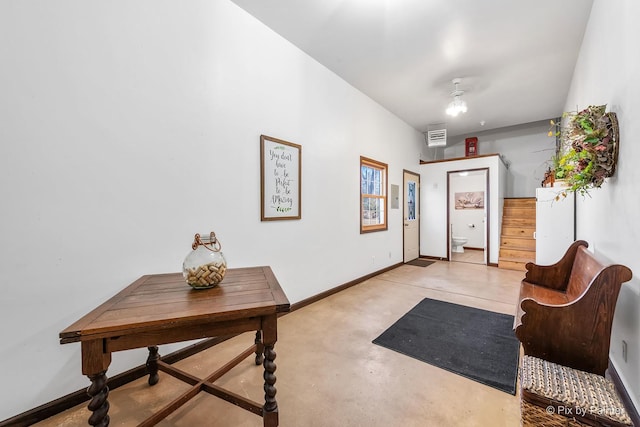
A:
(373, 195)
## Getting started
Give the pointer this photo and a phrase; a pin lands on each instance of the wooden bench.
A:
(565, 311)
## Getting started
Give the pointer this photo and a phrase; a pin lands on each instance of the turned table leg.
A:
(95, 362)
(270, 409)
(152, 365)
(270, 403)
(99, 405)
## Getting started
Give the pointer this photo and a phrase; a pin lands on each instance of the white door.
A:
(411, 216)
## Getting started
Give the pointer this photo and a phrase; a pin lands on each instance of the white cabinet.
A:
(555, 224)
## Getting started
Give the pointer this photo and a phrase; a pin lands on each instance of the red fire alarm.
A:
(471, 147)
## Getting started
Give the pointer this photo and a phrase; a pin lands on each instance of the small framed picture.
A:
(280, 179)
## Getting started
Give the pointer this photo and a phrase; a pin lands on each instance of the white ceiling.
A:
(515, 58)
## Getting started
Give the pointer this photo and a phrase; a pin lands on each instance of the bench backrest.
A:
(584, 270)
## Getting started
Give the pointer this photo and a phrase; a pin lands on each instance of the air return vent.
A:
(437, 138)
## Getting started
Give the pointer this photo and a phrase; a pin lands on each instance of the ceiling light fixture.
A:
(457, 106)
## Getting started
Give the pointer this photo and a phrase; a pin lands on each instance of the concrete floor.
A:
(329, 374)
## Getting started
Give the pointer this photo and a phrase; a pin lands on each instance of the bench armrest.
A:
(554, 276)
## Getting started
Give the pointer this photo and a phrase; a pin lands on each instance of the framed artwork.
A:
(280, 179)
(470, 200)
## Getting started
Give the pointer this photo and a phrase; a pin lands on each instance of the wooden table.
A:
(162, 308)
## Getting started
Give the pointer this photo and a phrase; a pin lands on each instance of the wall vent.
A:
(437, 138)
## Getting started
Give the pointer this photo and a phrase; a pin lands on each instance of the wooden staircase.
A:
(517, 245)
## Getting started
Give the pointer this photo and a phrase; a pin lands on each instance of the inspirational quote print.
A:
(280, 169)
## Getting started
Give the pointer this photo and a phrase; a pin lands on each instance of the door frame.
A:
(487, 205)
(417, 175)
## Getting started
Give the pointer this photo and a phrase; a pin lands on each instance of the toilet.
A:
(457, 242)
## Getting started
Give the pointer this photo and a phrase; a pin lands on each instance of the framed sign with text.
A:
(280, 179)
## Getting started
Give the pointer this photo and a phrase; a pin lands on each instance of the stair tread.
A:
(518, 257)
(508, 248)
(516, 243)
(509, 259)
(516, 217)
(519, 200)
(523, 236)
(513, 229)
(518, 248)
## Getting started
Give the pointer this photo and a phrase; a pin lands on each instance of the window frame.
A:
(384, 173)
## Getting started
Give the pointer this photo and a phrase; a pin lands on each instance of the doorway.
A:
(411, 215)
(467, 215)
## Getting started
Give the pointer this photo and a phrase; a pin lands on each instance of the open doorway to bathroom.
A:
(467, 215)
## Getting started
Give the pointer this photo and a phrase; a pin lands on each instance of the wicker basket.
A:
(554, 395)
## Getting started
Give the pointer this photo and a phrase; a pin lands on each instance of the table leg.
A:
(95, 362)
(259, 348)
(99, 405)
(152, 365)
(270, 409)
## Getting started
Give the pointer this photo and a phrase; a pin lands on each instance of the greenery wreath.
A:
(588, 148)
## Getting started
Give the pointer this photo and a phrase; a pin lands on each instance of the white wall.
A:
(607, 72)
(468, 223)
(126, 127)
(433, 193)
(526, 148)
